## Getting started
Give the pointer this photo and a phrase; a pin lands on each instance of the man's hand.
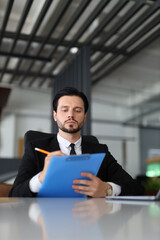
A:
(47, 162)
(91, 210)
(94, 187)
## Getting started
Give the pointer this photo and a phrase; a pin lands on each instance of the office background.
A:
(108, 49)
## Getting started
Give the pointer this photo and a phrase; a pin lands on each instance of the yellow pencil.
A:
(41, 150)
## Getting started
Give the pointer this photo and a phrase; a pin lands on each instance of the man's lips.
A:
(71, 122)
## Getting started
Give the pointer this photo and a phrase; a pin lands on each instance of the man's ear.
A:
(55, 116)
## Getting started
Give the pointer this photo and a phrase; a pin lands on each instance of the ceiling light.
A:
(74, 50)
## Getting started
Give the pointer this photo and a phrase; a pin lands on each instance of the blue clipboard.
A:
(63, 170)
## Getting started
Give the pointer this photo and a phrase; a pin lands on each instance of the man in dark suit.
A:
(69, 111)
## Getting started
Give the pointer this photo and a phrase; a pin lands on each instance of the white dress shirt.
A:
(64, 145)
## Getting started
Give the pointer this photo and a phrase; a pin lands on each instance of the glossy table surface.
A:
(74, 218)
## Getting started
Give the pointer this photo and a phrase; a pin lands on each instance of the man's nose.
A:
(70, 113)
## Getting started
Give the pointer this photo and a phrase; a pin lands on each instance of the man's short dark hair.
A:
(69, 91)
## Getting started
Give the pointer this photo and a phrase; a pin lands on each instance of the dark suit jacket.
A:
(33, 162)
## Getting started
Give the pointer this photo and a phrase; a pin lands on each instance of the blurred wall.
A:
(122, 141)
(26, 110)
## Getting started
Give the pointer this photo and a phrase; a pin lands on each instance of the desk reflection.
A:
(60, 217)
(74, 218)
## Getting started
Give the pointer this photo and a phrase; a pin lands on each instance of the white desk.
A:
(68, 218)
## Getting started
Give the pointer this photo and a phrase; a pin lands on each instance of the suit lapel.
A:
(53, 145)
(86, 147)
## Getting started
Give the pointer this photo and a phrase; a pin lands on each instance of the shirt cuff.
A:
(116, 188)
(34, 212)
(35, 184)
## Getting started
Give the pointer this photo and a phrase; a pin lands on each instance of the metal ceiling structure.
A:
(37, 37)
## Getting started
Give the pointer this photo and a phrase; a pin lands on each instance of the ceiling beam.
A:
(64, 33)
(32, 35)
(20, 25)
(137, 23)
(81, 31)
(21, 56)
(58, 17)
(152, 38)
(138, 36)
(6, 17)
(64, 43)
(138, 5)
(141, 33)
(106, 20)
(29, 74)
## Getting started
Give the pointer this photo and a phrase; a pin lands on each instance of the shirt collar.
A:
(66, 143)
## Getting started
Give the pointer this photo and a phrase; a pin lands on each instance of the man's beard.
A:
(70, 128)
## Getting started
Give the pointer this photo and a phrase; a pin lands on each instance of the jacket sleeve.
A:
(111, 171)
(28, 168)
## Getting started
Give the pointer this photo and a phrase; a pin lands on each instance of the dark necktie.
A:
(72, 152)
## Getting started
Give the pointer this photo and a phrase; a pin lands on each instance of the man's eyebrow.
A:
(79, 107)
(66, 106)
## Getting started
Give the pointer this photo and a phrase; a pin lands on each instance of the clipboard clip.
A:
(80, 158)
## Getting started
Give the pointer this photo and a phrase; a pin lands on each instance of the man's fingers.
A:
(55, 153)
(82, 181)
(87, 174)
(93, 187)
(79, 187)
